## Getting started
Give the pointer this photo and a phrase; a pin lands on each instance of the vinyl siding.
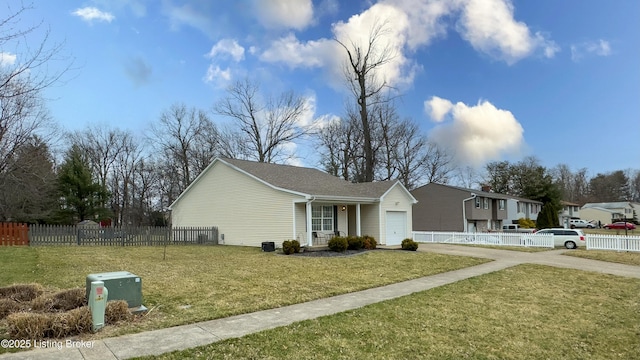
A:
(245, 210)
(370, 220)
(396, 200)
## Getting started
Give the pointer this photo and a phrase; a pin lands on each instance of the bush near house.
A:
(526, 223)
(409, 244)
(355, 242)
(338, 244)
(368, 242)
(290, 247)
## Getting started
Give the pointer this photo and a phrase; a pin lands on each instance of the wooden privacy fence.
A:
(14, 234)
(42, 235)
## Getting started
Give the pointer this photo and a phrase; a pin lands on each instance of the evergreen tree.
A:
(548, 217)
(82, 198)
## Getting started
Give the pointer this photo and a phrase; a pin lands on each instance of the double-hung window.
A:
(322, 218)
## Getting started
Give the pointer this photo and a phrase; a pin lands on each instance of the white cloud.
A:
(193, 14)
(427, 18)
(490, 27)
(599, 48)
(293, 14)
(437, 108)
(89, 14)
(399, 70)
(479, 133)
(227, 47)
(7, 59)
(296, 54)
(217, 75)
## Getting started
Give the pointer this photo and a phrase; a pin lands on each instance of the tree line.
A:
(103, 172)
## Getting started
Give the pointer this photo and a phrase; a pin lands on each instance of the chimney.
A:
(486, 188)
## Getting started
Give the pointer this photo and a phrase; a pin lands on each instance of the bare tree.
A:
(24, 73)
(264, 127)
(466, 177)
(185, 141)
(364, 61)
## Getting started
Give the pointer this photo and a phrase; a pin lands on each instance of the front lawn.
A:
(525, 312)
(622, 257)
(197, 283)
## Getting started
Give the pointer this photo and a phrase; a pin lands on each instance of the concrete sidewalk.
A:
(189, 336)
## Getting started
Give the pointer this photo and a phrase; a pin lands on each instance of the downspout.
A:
(309, 226)
(464, 214)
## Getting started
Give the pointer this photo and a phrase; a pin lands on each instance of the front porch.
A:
(318, 222)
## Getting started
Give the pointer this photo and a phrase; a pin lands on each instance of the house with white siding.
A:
(252, 202)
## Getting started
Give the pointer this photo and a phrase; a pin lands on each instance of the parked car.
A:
(569, 238)
(620, 225)
(578, 223)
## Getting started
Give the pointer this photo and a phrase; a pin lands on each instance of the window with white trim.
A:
(322, 218)
(477, 203)
(486, 203)
(501, 204)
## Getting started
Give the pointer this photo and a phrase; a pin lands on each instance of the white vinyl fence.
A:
(496, 238)
(613, 242)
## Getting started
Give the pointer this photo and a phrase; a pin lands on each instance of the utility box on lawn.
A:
(122, 285)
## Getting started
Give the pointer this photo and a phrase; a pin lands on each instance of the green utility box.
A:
(122, 285)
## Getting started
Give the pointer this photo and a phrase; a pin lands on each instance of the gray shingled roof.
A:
(310, 181)
(486, 194)
(608, 205)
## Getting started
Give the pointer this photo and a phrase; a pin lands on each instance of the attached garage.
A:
(396, 227)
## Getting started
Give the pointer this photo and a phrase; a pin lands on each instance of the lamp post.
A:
(464, 213)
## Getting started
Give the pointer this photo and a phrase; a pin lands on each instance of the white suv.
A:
(569, 238)
(581, 224)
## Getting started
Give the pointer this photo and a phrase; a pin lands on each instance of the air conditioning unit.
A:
(122, 285)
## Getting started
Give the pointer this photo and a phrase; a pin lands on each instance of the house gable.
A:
(245, 210)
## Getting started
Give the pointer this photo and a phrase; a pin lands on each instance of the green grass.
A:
(621, 257)
(197, 283)
(525, 312)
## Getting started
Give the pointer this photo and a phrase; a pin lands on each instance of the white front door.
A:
(396, 227)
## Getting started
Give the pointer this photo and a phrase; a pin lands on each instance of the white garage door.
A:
(396, 227)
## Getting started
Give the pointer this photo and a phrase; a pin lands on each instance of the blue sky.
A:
(492, 79)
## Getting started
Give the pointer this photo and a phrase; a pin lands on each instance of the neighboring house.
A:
(519, 208)
(252, 202)
(610, 211)
(569, 211)
(450, 208)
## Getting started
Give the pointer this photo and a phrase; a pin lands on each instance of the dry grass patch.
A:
(525, 312)
(621, 257)
(197, 283)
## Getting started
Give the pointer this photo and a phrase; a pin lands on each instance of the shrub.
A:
(72, 322)
(296, 246)
(61, 301)
(338, 244)
(355, 242)
(23, 325)
(21, 292)
(526, 223)
(409, 244)
(368, 242)
(8, 306)
(290, 247)
(287, 247)
(117, 310)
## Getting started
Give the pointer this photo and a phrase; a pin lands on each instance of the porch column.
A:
(358, 227)
(308, 217)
